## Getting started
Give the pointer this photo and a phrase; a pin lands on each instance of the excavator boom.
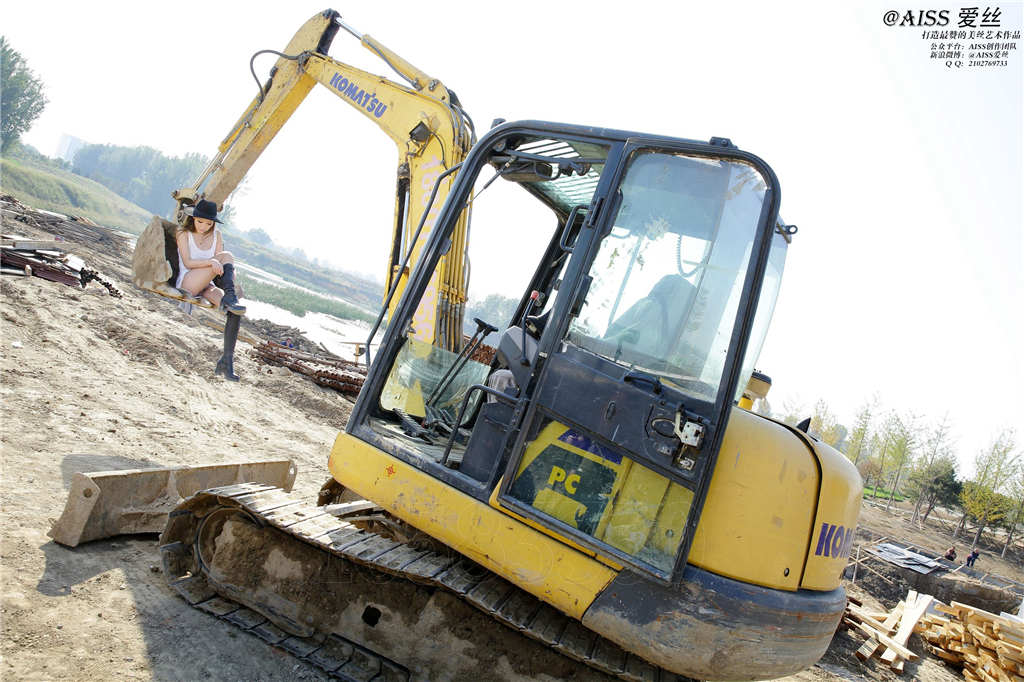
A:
(432, 135)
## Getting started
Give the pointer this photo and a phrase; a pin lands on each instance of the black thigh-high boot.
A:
(226, 364)
(230, 301)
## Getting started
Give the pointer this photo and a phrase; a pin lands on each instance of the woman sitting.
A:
(201, 258)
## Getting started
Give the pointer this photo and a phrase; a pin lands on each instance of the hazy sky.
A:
(904, 176)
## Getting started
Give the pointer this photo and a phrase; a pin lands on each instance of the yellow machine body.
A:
(775, 496)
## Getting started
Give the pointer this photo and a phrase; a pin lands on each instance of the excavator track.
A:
(189, 571)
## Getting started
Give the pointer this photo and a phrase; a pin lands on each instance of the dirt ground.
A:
(91, 383)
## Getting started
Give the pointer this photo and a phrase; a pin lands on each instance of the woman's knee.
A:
(224, 257)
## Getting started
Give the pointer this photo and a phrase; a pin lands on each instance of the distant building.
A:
(68, 146)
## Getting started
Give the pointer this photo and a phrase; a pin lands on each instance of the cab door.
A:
(637, 373)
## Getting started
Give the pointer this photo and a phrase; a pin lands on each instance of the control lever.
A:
(483, 329)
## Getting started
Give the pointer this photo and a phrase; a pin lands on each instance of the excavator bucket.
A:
(154, 263)
(107, 503)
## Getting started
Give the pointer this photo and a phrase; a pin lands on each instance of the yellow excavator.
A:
(590, 500)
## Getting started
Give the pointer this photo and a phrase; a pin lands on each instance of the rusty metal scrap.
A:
(343, 376)
(19, 256)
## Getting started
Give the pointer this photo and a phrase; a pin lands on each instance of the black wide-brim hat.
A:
(203, 209)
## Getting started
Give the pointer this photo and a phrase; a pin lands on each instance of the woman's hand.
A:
(218, 269)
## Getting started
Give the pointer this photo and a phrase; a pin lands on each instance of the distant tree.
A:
(982, 496)
(936, 457)
(793, 411)
(1016, 516)
(21, 95)
(494, 309)
(869, 470)
(903, 438)
(824, 424)
(142, 175)
(859, 437)
(944, 491)
(258, 236)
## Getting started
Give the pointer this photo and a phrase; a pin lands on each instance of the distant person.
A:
(972, 557)
(201, 258)
(951, 554)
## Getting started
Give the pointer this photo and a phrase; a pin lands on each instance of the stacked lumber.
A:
(988, 647)
(887, 633)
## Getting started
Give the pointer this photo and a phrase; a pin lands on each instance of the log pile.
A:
(887, 633)
(989, 648)
(343, 376)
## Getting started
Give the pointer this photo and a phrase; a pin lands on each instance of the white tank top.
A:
(195, 253)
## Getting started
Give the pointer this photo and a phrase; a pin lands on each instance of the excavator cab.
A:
(650, 281)
(581, 461)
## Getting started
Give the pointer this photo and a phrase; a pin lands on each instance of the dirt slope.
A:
(100, 383)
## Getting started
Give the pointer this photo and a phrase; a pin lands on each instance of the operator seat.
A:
(650, 325)
(511, 372)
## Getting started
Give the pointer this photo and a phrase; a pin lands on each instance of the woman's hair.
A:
(189, 226)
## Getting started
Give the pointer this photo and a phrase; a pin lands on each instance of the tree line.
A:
(900, 454)
(143, 175)
(21, 96)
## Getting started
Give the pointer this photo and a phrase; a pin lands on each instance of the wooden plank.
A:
(944, 655)
(870, 647)
(887, 641)
(914, 610)
(867, 649)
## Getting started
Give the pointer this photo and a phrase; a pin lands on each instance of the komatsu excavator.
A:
(591, 502)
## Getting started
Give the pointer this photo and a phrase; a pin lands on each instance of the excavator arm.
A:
(431, 132)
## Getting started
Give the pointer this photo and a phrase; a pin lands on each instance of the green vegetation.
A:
(21, 95)
(494, 309)
(142, 175)
(882, 493)
(41, 183)
(300, 302)
(361, 292)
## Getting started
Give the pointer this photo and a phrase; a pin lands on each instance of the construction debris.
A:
(887, 633)
(989, 648)
(32, 257)
(906, 558)
(343, 376)
(63, 227)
